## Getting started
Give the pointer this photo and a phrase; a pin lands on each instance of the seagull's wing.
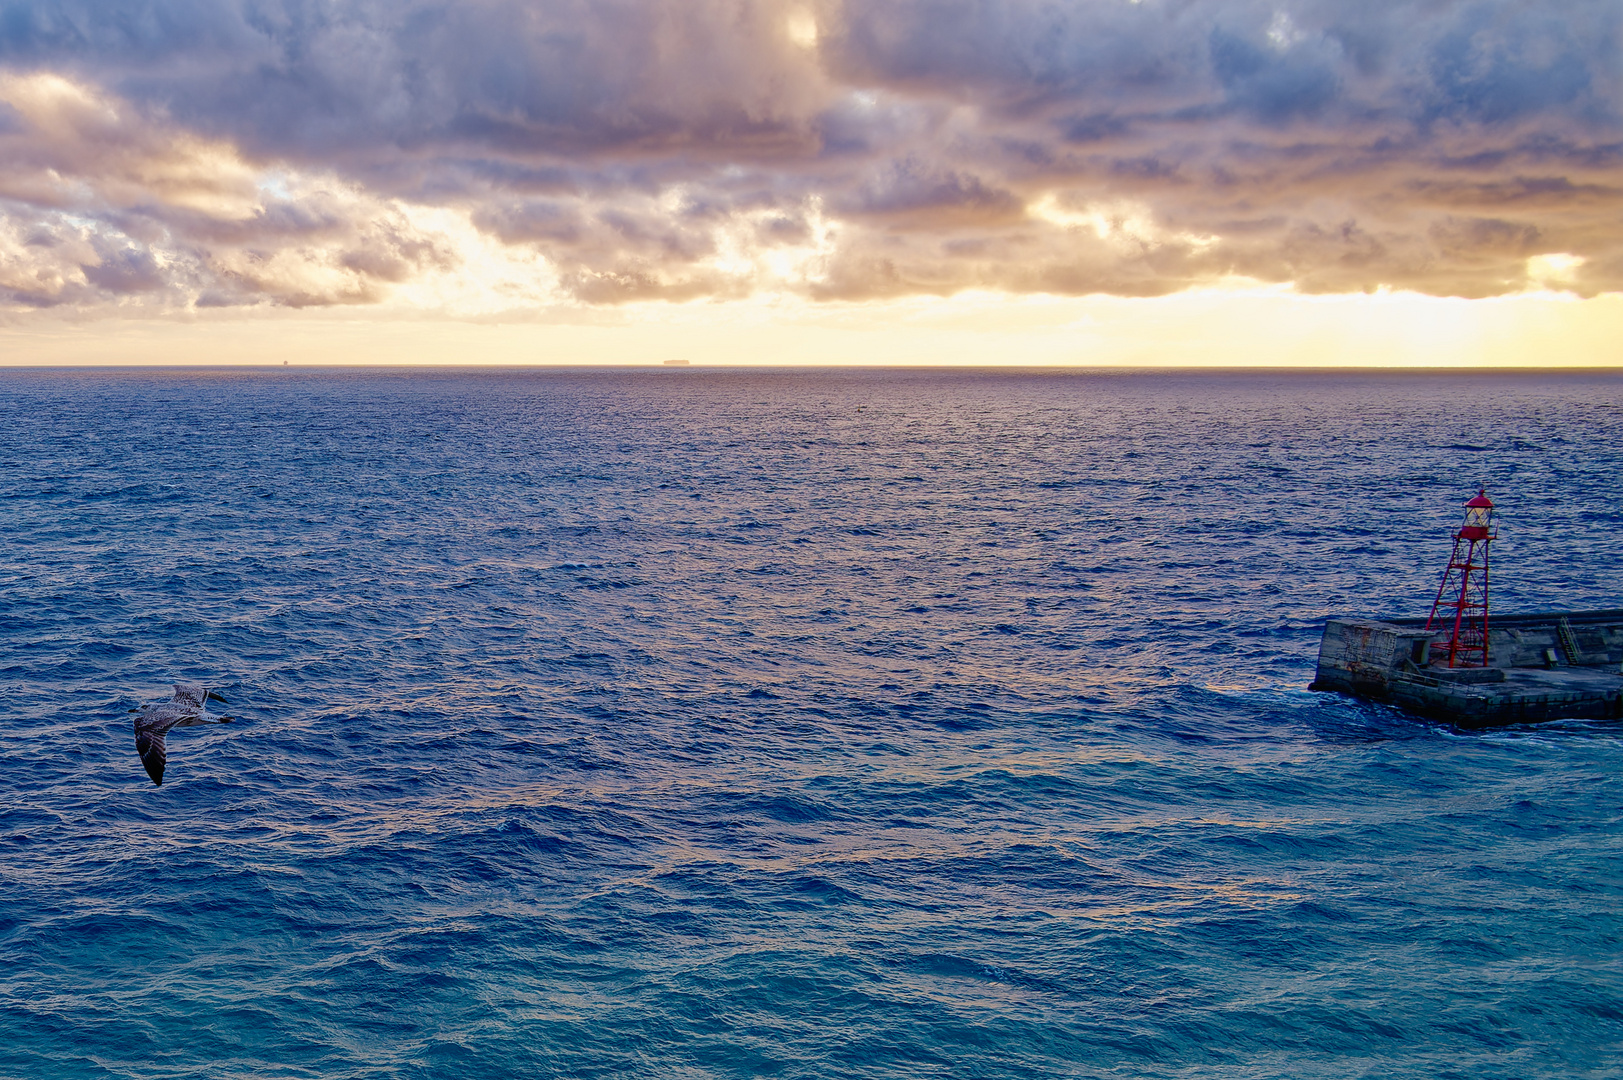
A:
(151, 726)
(149, 744)
(190, 694)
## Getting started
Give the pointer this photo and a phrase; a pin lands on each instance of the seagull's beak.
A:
(216, 697)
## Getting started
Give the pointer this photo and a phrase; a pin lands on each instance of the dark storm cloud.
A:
(677, 148)
(311, 80)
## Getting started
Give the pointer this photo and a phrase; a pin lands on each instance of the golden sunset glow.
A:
(809, 183)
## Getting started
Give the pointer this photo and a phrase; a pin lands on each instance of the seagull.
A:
(190, 706)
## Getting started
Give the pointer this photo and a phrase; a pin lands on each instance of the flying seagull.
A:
(190, 706)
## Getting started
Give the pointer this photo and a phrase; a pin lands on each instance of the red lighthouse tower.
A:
(1462, 599)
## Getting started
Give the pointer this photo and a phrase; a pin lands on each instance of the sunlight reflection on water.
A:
(700, 723)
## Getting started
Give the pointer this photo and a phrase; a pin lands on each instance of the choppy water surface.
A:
(835, 724)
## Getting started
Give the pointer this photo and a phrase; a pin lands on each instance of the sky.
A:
(810, 181)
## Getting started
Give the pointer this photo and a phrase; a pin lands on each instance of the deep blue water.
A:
(708, 723)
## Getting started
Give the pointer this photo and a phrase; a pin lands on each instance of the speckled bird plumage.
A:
(189, 706)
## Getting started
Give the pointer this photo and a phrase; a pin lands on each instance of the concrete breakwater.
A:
(1550, 665)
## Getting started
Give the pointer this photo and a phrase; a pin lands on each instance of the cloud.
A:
(101, 203)
(175, 153)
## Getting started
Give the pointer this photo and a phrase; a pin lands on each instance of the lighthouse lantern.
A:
(1478, 518)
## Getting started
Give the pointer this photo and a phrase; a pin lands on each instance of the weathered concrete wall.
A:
(1365, 653)
(1543, 666)
(1522, 640)
(1522, 646)
(1601, 644)
(1494, 704)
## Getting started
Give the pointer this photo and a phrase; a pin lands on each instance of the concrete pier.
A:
(1551, 665)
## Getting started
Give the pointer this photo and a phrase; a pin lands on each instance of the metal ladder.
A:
(1569, 641)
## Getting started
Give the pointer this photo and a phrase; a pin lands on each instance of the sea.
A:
(845, 723)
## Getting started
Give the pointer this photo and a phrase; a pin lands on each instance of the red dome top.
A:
(1481, 499)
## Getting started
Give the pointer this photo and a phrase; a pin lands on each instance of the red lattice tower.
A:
(1462, 599)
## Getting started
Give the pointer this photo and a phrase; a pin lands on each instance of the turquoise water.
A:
(707, 723)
